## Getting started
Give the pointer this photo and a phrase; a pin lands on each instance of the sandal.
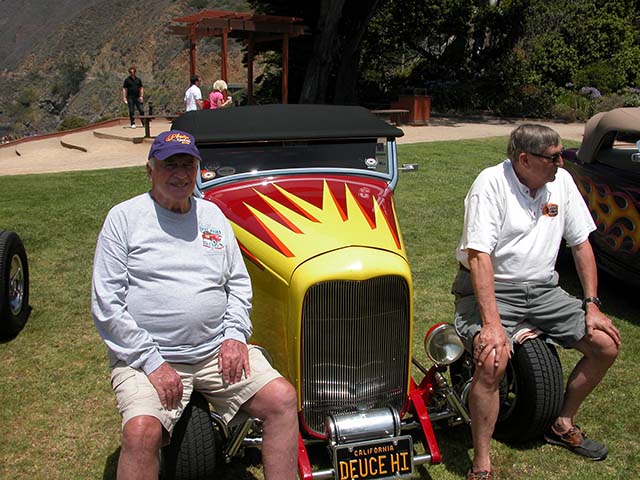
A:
(484, 475)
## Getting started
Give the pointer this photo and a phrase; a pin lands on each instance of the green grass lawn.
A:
(58, 418)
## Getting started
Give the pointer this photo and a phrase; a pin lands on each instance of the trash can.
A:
(418, 103)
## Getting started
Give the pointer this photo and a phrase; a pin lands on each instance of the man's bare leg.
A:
(484, 406)
(275, 404)
(599, 351)
(139, 453)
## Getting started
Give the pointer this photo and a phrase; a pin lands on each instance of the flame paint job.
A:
(283, 221)
(613, 197)
(615, 213)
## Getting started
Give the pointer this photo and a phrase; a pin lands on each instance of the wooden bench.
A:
(146, 121)
(391, 115)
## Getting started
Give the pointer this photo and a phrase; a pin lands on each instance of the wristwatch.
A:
(595, 300)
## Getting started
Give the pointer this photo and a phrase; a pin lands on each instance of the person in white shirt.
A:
(193, 95)
(516, 214)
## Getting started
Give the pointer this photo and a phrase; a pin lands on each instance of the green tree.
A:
(510, 56)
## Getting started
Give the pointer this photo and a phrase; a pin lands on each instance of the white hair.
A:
(219, 85)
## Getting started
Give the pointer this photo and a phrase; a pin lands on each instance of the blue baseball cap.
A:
(173, 142)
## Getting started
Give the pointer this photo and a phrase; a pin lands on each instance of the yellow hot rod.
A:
(309, 192)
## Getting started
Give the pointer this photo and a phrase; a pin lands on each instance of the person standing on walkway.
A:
(193, 95)
(133, 94)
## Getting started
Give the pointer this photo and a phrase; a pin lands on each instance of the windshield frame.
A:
(390, 175)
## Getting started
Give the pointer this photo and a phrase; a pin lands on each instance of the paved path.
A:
(120, 146)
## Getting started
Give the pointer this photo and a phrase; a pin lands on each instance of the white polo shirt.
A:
(522, 234)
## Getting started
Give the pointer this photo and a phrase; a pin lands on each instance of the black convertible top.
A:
(283, 122)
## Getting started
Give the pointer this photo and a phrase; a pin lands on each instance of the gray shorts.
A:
(545, 307)
(136, 396)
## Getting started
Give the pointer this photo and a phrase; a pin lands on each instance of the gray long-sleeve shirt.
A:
(168, 286)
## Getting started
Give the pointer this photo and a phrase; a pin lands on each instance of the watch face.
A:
(595, 300)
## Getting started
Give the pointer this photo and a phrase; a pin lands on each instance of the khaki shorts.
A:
(545, 307)
(136, 396)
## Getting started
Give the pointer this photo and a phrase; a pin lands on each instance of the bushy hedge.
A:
(70, 122)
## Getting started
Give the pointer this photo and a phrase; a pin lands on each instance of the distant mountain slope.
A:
(26, 24)
(68, 58)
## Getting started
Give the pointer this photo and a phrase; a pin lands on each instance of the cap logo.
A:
(178, 137)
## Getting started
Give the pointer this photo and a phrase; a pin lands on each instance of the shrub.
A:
(609, 102)
(199, 4)
(571, 106)
(605, 76)
(631, 97)
(70, 122)
(528, 101)
(565, 113)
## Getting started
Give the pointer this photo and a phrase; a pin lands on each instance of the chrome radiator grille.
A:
(355, 347)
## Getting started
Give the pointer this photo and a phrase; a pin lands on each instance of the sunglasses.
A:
(553, 158)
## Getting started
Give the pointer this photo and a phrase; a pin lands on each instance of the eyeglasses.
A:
(553, 158)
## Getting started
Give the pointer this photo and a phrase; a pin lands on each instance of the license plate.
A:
(380, 459)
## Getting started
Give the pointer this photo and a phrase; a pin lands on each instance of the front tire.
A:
(195, 451)
(14, 285)
(531, 391)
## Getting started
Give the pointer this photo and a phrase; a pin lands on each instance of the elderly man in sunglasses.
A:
(516, 214)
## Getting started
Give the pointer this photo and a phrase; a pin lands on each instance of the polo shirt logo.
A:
(550, 210)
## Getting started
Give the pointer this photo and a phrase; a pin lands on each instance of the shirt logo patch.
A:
(211, 238)
(550, 210)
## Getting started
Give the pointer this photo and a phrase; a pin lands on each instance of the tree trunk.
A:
(316, 81)
(357, 18)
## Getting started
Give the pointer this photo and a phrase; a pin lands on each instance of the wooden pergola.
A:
(247, 26)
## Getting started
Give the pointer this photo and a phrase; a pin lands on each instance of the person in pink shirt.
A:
(218, 98)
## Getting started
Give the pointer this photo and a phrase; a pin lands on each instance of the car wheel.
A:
(195, 451)
(531, 390)
(14, 285)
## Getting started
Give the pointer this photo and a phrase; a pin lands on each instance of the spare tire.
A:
(14, 285)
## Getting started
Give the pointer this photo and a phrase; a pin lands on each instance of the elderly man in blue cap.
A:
(171, 299)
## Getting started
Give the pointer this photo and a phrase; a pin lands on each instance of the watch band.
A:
(595, 300)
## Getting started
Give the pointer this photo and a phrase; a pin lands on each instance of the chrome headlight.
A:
(442, 344)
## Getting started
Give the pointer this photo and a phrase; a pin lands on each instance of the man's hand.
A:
(168, 384)
(233, 359)
(491, 337)
(596, 320)
(588, 274)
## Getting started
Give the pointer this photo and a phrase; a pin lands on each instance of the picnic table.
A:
(391, 115)
(146, 121)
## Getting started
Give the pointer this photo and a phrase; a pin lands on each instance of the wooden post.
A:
(285, 69)
(250, 47)
(192, 50)
(223, 54)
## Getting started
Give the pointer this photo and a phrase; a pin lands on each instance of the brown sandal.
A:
(484, 475)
